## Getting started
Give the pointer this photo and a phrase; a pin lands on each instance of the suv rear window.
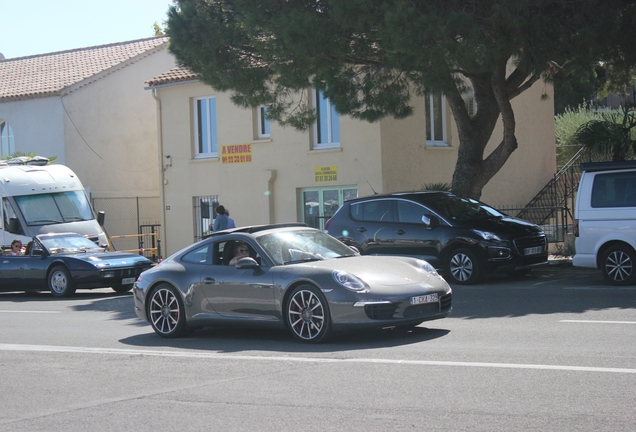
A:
(372, 211)
(614, 190)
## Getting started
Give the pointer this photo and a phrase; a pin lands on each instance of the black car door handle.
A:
(208, 280)
(400, 232)
(362, 229)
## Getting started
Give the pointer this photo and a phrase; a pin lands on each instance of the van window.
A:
(373, 211)
(11, 221)
(54, 208)
(616, 189)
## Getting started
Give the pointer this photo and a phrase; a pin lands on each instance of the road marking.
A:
(203, 355)
(598, 322)
(27, 311)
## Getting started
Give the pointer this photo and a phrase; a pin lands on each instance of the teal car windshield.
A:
(54, 208)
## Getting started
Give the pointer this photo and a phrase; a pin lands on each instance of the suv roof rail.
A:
(606, 166)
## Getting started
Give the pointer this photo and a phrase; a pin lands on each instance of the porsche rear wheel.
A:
(307, 314)
(60, 282)
(166, 312)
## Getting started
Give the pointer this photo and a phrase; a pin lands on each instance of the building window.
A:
(205, 127)
(204, 211)
(436, 126)
(262, 122)
(327, 126)
(319, 204)
(7, 146)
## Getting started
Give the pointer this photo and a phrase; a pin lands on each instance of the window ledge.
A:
(325, 150)
(261, 141)
(205, 158)
(446, 147)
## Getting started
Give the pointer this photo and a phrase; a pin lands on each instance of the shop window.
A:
(319, 204)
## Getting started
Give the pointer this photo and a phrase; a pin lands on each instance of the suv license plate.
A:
(127, 281)
(429, 298)
(533, 250)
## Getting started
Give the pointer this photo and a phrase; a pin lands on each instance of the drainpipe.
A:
(163, 181)
(270, 195)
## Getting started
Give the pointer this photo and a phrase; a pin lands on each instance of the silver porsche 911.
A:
(287, 276)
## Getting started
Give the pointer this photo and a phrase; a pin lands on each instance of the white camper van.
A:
(39, 199)
(605, 220)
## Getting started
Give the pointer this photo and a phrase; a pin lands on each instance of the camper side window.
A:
(11, 221)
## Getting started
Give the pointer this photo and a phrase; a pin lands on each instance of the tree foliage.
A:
(371, 57)
(612, 135)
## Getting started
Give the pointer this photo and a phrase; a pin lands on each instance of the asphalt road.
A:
(553, 350)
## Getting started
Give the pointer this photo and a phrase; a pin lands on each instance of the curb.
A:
(559, 261)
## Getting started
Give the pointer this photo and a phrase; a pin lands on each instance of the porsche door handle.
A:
(208, 280)
(362, 229)
(400, 232)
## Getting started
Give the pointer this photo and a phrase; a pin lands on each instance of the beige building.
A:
(88, 107)
(212, 151)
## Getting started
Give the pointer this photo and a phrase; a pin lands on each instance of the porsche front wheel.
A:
(307, 314)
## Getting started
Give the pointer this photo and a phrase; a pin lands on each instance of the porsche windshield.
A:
(54, 208)
(302, 245)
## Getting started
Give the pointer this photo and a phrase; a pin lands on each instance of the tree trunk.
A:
(492, 95)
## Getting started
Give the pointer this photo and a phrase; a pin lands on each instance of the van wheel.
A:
(462, 267)
(617, 265)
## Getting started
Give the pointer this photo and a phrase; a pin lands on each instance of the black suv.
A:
(461, 237)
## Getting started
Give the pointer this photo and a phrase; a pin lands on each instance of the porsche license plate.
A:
(126, 281)
(533, 250)
(429, 298)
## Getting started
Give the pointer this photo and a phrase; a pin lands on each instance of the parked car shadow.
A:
(548, 291)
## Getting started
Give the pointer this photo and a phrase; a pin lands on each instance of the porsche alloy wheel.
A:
(617, 265)
(308, 314)
(166, 312)
(60, 282)
(463, 267)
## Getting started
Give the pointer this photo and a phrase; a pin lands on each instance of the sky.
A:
(30, 27)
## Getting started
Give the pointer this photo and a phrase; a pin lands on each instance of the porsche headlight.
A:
(427, 268)
(487, 235)
(348, 281)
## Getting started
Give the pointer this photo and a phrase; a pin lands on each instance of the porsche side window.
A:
(198, 256)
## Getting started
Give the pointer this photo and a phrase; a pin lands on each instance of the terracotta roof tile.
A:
(49, 74)
(176, 75)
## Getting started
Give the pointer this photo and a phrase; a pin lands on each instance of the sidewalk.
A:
(560, 260)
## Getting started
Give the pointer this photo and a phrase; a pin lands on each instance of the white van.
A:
(605, 220)
(40, 199)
